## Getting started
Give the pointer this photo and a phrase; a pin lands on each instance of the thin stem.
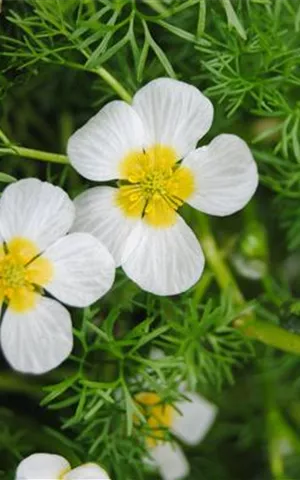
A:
(250, 326)
(35, 154)
(4, 138)
(269, 334)
(202, 287)
(105, 75)
(113, 83)
(215, 260)
(157, 6)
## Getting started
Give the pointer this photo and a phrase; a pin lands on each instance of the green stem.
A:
(201, 287)
(269, 334)
(35, 154)
(4, 138)
(250, 326)
(113, 83)
(275, 457)
(223, 275)
(157, 6)
(105, 75)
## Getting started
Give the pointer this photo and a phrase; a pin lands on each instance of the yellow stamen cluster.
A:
(13, 275)
(21, 274)
(156, 186)
(158, 414)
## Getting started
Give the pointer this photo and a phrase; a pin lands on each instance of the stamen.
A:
(22, 271)
(159, 416)
(156, 186)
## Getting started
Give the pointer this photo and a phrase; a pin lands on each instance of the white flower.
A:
(141, 145)
(46, 466)
(37, 255)
(190, 425)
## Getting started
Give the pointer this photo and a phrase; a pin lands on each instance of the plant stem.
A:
(250, 326)
(113, 83)
(269, 334)
(223, 275)
(201, 287)
(4, 138)
(35, 154)
(157, 6)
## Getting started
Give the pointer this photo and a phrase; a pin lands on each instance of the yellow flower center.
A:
(159, 416)
(21, 274)
(13, 274)
(155, 185)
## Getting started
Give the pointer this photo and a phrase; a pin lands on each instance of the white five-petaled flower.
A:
(189, 421)
(36, 255)
(46, 466)
(142, 145)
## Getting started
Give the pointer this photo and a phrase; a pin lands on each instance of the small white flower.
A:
(37, 255)
(46, 466)
(141, 145)
(190, 425)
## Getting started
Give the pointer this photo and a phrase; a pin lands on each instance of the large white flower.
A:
(142, 145)
(189, 420)
(46, 466)
(37, 255)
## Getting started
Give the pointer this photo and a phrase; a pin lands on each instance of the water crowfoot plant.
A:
(230, 330)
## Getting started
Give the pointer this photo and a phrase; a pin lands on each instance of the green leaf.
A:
(142, 60)
(201, 18)
(233, 19)
(159, 52)
(5, 178)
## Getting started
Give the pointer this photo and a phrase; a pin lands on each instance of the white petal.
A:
(84, 270)
(97, 148)
(253, 268)
(38, 340)
(42, 466)
(225, 174)
(174, 113)
(164, 261)
(156, 354)
(36, 210)
(197, 416)
(171, 461)
(98, 214)
(89, 471)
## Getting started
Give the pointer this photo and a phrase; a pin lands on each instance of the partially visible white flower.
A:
(142, 145)
(46, 466)
(189, 420)
(37, 256)
(252, 268)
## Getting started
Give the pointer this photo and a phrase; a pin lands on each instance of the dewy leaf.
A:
(233, 19)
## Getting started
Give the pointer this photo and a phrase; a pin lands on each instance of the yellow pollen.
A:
(159, 416)
(13, 274)
(154, 186)
(21, 274)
